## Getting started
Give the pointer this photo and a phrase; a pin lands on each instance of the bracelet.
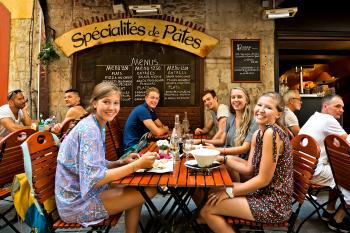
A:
(50, 129)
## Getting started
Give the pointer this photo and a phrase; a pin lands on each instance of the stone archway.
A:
(5, 19)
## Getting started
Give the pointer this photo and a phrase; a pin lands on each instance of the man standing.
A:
(14, 115)
(143, 119)
(218, 112)
(319, 126)
(75, 110)
(292, 101)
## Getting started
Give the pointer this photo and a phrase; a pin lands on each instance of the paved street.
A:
(312, 226)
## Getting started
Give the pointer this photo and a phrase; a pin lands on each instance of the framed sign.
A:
(246, 60)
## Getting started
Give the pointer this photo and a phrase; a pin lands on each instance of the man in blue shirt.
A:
(143, 119)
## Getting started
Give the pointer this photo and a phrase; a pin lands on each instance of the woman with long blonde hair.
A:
(267, 196)
(240, 126)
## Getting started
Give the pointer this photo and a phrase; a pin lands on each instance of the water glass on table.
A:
(187, 146)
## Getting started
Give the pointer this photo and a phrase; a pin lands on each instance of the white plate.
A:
(169, 168)
(193, 165)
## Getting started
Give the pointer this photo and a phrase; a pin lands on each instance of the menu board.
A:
(134, 67)
(246, 64)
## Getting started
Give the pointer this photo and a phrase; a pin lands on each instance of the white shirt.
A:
(223, 111)
(5, 112)
(319, 126)
(290, 118)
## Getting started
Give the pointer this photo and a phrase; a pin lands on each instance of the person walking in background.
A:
(319, 126)
(143, 119)
(218, 115)
(83, 192)
(75, 110)
(292, 101)
(14, 115)
(267, 196)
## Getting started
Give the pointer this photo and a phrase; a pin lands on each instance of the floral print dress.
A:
(273, 203)
(81, 164)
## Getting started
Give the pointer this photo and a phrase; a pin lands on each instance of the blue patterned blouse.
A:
(81, 164)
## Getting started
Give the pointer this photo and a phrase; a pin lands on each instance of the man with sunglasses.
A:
(14, 115)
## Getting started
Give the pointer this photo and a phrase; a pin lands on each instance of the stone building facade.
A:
(223, 19)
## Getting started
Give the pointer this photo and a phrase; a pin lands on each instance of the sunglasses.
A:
(13, 93)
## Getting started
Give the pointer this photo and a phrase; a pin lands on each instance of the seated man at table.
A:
(143, 119)
(218, 115)
(14, 115)
(75, 110)
(319, 126)
(292, 102)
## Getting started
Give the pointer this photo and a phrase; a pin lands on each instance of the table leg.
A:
(181, 200)
(161, 222)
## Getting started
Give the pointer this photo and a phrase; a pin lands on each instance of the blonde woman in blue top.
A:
(82, 188)
(240, 126)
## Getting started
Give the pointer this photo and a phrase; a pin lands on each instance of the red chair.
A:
(43, 152)
(65, 127)
(114, 139)
(338, 151)
(11, 164)
(305, 157)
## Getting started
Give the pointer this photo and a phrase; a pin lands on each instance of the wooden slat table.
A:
(181, 183)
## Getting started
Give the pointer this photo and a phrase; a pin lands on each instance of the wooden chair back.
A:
(65, 127)
(43, 152)
(290, 133)
(338, 151)
(114, 139)
(11, 156)
(306, 152)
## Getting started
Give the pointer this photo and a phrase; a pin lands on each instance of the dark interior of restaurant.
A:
(317, 39)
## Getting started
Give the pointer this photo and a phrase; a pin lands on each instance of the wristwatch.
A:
(229, 192)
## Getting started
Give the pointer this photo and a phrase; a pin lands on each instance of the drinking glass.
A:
(188, 141)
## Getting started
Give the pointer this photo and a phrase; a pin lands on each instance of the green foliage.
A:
(47, 54)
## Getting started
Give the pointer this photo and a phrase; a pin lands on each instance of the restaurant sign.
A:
(136, 29)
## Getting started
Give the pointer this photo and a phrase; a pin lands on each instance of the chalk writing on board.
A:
(246, 61)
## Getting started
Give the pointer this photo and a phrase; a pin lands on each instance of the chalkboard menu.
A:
(246, 64)
(135, 66)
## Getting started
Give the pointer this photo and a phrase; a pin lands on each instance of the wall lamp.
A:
(280, 13)
(145, 10)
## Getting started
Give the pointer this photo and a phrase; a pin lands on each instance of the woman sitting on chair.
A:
(83, 175)
(267, 196)
(240, 126)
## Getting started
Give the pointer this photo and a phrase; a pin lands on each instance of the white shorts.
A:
(346, 194)
(325, 178)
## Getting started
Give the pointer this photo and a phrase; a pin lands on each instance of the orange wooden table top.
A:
(180, 177)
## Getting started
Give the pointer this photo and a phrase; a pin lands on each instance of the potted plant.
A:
(47, 54)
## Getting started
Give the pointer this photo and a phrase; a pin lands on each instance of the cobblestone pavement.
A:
(311, 226)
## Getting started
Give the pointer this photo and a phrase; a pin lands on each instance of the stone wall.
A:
(23, 65)
(224, 19)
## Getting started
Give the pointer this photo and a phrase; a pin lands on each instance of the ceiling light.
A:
(145, 10)
(280, 13)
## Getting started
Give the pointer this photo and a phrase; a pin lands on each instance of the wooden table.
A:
(181, 183)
